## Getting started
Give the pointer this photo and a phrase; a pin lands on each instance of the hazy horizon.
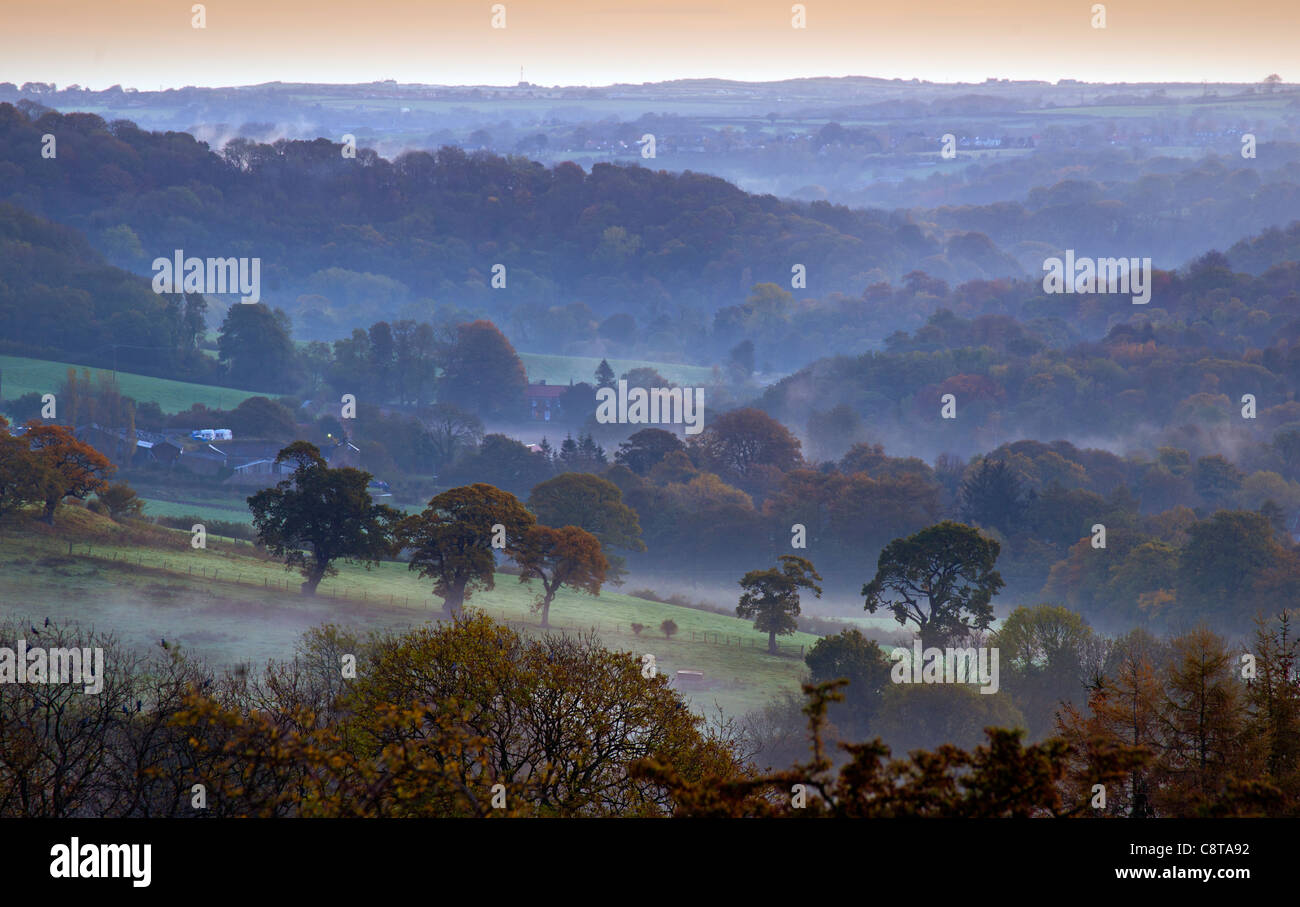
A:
(152, 44)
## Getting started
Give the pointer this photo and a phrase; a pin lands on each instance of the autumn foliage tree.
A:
(451, 541)
(22, 474)
(440, 715)
(67, 467)
(1212, 750)
(568, 556)
(320, 515)
(482, 373)
(737, 442)
(1273, 702)
(1005, 778)
(592, 503)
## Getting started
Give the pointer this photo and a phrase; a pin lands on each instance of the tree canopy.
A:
(321, 515)
(452, 540)
(942, 580)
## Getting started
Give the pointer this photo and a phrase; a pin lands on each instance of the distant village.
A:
(206, 452)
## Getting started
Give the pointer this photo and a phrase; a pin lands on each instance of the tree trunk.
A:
(313, 580)
(546, 609)
(771, 642)
(50, 506)
(454, 602)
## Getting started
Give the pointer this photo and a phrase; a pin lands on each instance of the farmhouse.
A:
(543, 400)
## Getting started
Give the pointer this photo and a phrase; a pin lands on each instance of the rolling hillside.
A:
(229, 606)
(23, 376)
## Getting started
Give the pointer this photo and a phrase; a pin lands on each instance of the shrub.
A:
(121, 501)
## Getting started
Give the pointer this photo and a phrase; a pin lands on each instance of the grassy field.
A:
(184, 506)
(23, 376)
(229, 606)
(560, 369)
(1185, 107)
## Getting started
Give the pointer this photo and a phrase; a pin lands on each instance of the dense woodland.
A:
(370, 235)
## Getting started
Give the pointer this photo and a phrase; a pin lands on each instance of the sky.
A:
(148, 44)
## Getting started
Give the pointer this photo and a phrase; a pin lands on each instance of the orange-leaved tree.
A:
(69, 468)
(568, 556)
(454, 539)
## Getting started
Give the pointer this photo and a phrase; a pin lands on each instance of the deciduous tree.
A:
(68, 467)
(452, 539)
(320, 515)
(942, 579)
(771, 596)
(567, 556)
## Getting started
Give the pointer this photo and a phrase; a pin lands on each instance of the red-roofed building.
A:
(543, 400)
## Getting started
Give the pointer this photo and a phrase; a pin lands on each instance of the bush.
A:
(121, 501)
(637, 628)
(28, 406)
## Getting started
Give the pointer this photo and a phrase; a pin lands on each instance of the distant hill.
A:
(344, 241)
(59, 299)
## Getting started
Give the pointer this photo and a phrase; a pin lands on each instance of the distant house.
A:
(543, 400)
(250, 462)
(163, 452)
(260, 472)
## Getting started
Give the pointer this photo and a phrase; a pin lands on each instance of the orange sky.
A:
(150, 43)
